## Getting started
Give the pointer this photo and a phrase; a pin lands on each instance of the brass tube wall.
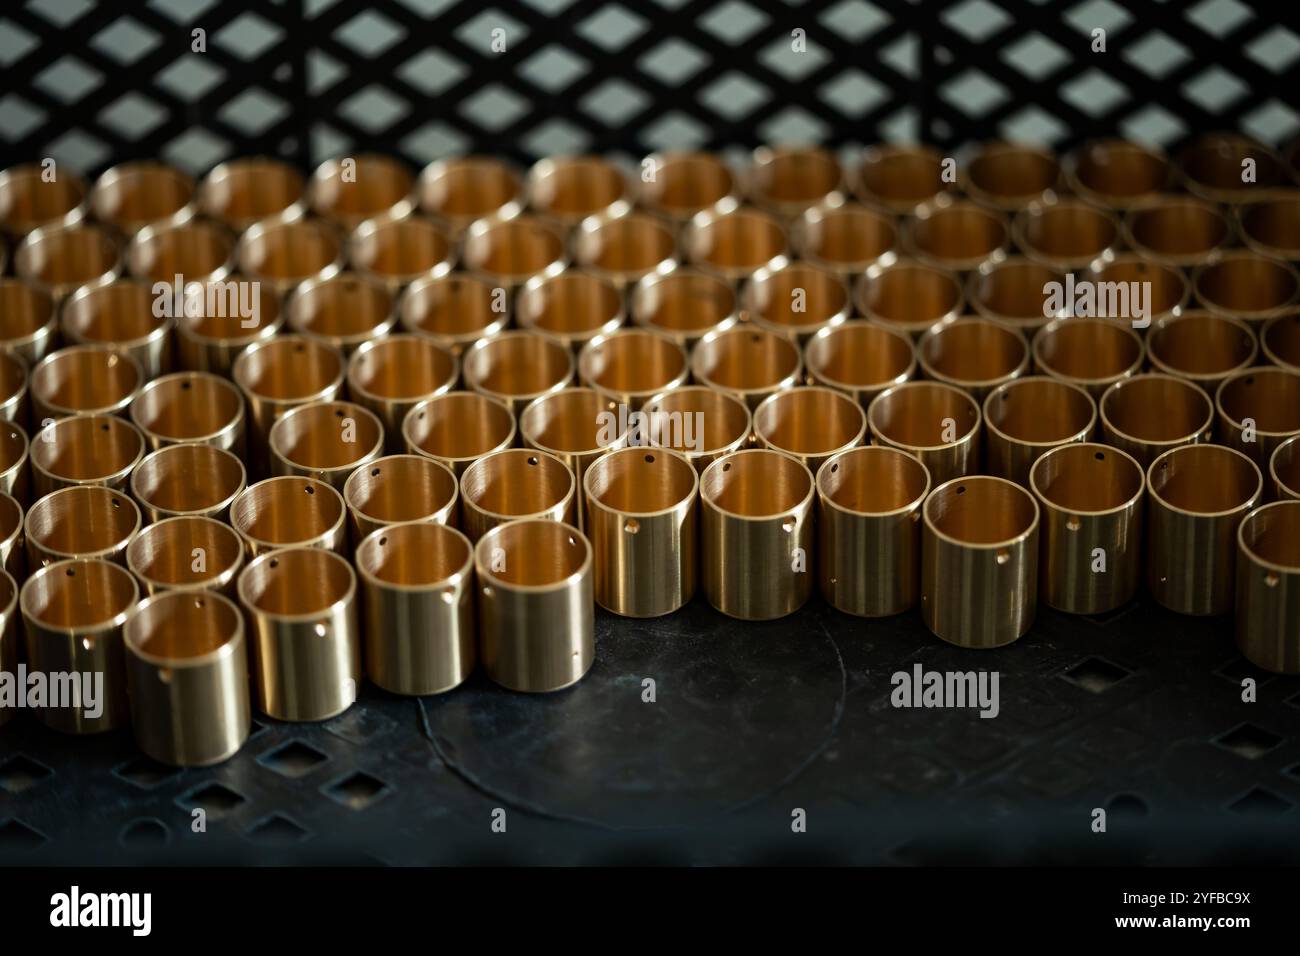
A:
(909, 296)
(1212, 163)
(1116, 173)
(735, 244)
(58, 260)
(979, 561)
(301, 606)
(136, 194)
(506, 253)
(1067, 234)
(1090, 499)
(625, 248)
(417, 583)
(787, 180)
(1199, 495)
(73, 615)
(1284, 468)
(400, 488)
(810, 423)
(1092, 353)
(242, 191)
(515, 483)
(458, 190)
(568, 189)
(29, 326)
(1247, 286)
(1176, 230)
(1012, 175)
(187, 479)
(797, 300)
(1150, 414)
(325, 440)
(958, 236)
(396, 252)
(187, 672)
(517, 367)
(1201, 347)
(937, 423)
(632, 365)
(1010, 291)
(977, 355)
(455, 310)
(13, 461)
(12, 553)
(375, 185)
(860, 358)
(1279, 340)
(10, 636)
(641, 521)
(194, 407)
(85, 521)
(290, 512)
(897, 179)
(84, 380)
(85, 450)
(29, 201)
(868, 530)
(700, 423)
(1258, 409)
(186, 553)
(756, 531)
(747, 362)
(1028, 417)
(199, 251)
(847, 239)
(220, 321)
(392, 375)
(536, 609)
(683, 184)
(343, 310)
(1268, 587)
(573, 306)
(458, 428)
(685, 304)
(1271, 225)
(577, 426)
(282, 254)
(13, 388)
(120, 316)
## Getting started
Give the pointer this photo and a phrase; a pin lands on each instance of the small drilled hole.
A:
(961, 489)
(532, 459)
(374, 472)
(383, 541)
(650, 459)
(1100, 456)
(310, 490)
(274, 562)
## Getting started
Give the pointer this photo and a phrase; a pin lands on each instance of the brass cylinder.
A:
(242, 191)
(979, 561)
(1092, 353)
(685, 304)
(85, 450)
(1271, 225)
(699, 423)
(83, 380)
(1116, 173)
(909, 296)
(188, 479)
(1012, 175)
(398, 489)
(682, 184)
(1199, 495)
(625, 248)
(1149, 414)
(301, 607)
(121, 316)
(460, 189)
(187, 673)
(577, 426)
(290, 512)
(13, 388)
(756, 532)
(956, 235)
(458, 428)
(846, 239)
(325, 440)
(1201, 347)
(417, 584)
(85, 521)
(1165, 289)
(568, 189)
(1011, 291)
(28, 200)
(218, 321)
(516, 367)
(29, 326)
(898, 179)
(396, 252)
(860, 358)
(747, 362)
(1090, 498)
(1212, 166)
(281, 254)
(1279, 340)
(1268, 587)
(58, 260)
(14, 478)
(1284, 468)
(973, 354)
(12, 548)
(1244, 285)
(10, 636)
(536, 610)
(868, 530)
(736, 243)
(632, 365)
(1176, 230)
(143, 193)
(198, 251)
(515, 483)
(187, 552)
(1258, 409)
(786, 180)
(937, 423)
(73, 614)
(810, 423)
(1067, 234)
(392, 375)
(350, 190)
(455, 310)
(797, 300)
(506, 253)
(342, 311)
(1028, 417)
(194, 407)
(573, 306)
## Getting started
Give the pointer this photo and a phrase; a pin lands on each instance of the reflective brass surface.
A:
(1268, 587)
(1028, 417)
(937, 423)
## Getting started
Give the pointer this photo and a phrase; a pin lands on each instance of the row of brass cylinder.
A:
(460, 409)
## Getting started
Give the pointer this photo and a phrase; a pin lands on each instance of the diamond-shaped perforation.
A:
(20, 773)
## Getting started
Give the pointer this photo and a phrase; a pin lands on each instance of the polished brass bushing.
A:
(396, 252)
(29, 199)
(455, 310)
(84, 521)
(188, 479)
(786, 180)
(1212, 166)
(188, 552)
(869, 532)
(85, 450)
(518, 366)
(810, 423)
(756, 532)
(909, 296)
(242, 191)
(12, 549)
(198, 251)
(13, 388)
(187, 674)
(400, 488)
(1201, 347)
(898, 179)
(625, 248)
(955, 235)
(847, 239)
(748, 362)
(325, 440)
(73, 614)
(1067, 234)
(735, 243)
(282, 254)
(1164, 289)
(1284, 469)
(979, 561)
(632, 365)
(516, 483)
(10, 637)
(678, 185)
(506, 253)
(219, 321)
(349, 190)
(190, 407)
(290, 512)
(1091, 503)
(1245, 285)
(29, 325)
(1176, 230)
(642, 524)
(13, 461)
(568, 189)
(458, 428)
(343, 311)
(143, 193)
(417, 584)
(120, 316)
(685, 304)
(1012, 175)
(577, 426)
(1092, 353)
(937, 423)
(797, 299)
(574, 306)
(1258, 409)
(699, 423)
(1279, 340)
(974, 354)
(860, 358)
(460, 189)
(1199, 495)
(301, 606)
(1268, 587)
(1027, 417)
(83, 380)
(536, 610)
(1271, 225)
(1013, 291)
(1116, 173)
(392, 375)
(1149, 414)
(58, 260)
